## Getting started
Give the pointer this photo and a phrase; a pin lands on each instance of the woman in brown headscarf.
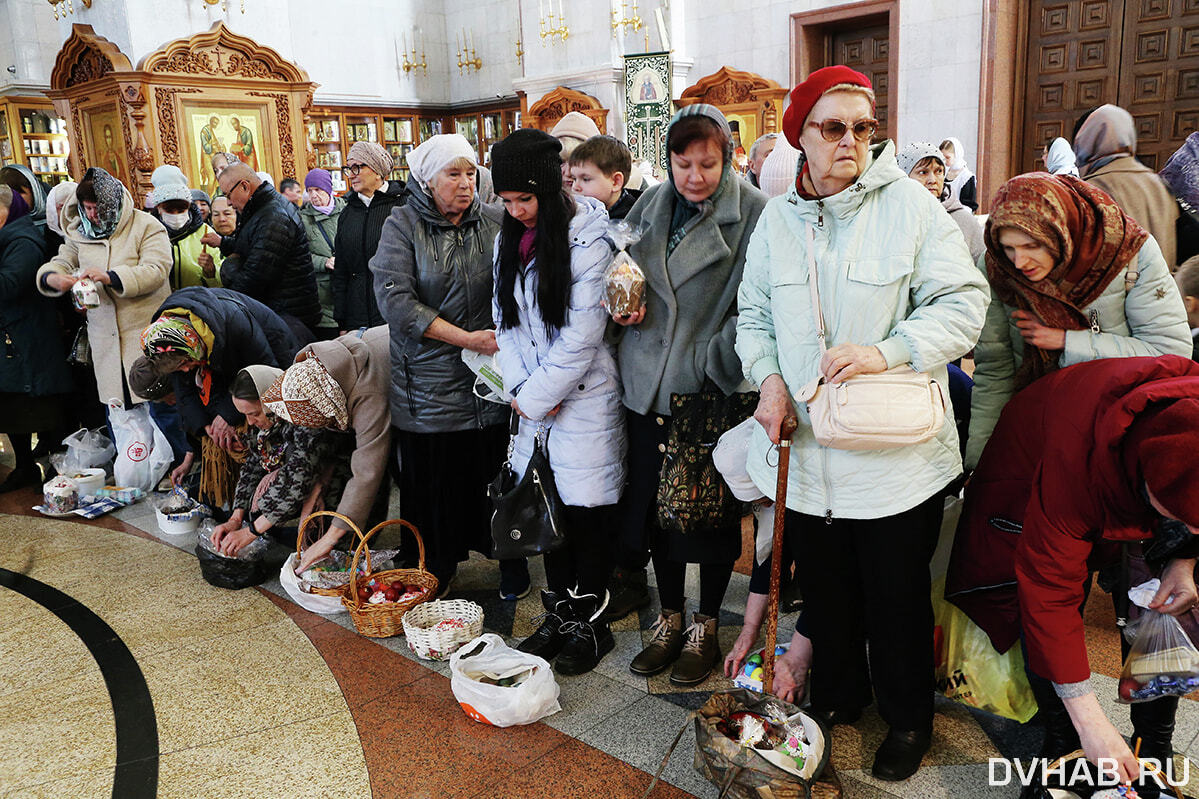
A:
(1073, 279)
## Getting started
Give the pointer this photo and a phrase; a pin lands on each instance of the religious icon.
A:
(107, 147)
(243, 144)
(211, 143)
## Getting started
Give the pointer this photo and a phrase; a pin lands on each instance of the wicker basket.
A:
(438, 644)
(300, 540)
(386, 619)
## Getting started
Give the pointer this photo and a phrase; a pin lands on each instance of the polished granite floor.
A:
(242, 693)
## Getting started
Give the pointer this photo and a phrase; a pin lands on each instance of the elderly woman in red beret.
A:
(1060, 487)
(897, 287)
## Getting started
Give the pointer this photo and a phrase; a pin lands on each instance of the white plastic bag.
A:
(324, 605)
(86, 449)
(487, 377)
(533, 697)
(143, 452)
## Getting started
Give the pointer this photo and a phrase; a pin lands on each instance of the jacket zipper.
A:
(828, 489)
(408, 387)
(1094, 316)
(9, 348)
(470, 310)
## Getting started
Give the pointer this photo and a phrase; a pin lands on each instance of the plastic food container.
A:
(179, 523)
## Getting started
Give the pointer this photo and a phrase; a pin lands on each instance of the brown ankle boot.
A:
(701, 652)
(663, 649)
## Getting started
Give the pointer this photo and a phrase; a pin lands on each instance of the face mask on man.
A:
(174, 221)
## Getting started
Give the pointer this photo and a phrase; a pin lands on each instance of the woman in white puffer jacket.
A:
(550, 260)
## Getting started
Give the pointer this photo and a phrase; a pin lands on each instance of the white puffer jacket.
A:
(893, 272)
(572, 368)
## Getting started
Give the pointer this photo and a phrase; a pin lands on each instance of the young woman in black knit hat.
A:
(550, 259)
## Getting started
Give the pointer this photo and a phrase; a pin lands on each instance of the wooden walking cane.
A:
(786, 430)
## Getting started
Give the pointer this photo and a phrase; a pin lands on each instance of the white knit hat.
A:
(575, 125)
(169, 184)
(778, 170)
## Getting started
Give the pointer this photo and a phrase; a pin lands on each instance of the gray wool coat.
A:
(690, 323)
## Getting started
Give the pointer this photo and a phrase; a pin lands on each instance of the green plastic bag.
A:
(970, 671)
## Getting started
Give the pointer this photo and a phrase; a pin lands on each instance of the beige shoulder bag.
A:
(895, 408)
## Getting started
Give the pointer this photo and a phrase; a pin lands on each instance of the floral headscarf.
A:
(308, 396)
(109, 196)
(175, 337)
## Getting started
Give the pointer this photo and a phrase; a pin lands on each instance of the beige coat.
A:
(1142, 195)
(361, 365)
(139, 252)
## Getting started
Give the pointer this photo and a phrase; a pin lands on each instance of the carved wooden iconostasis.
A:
(213, 92)
(754, 103)
(554, 105)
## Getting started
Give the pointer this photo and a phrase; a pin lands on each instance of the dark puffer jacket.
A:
(427, 268)
(358, 231)
(268, 258)
(32, 360)
(244, 332)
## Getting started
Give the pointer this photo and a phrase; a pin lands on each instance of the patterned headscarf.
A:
(1181, 173)
(1093, 240)
(170, 338)
(109, 196)
(306, 395)
(174, 335)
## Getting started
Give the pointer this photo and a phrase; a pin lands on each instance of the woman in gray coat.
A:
(699, 225)
(550, 259)
(432, 275)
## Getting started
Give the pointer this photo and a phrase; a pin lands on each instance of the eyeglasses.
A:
(353, 169)
(834, 129)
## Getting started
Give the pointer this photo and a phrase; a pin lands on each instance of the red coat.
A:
(1050, 500)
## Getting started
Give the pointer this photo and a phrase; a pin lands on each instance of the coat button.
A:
(636, 334)
(665, 343)
(660, 421)
(661, 448)
(581, 386)
(389, 284)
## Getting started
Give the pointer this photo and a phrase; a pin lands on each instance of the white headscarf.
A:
(779, 169)
(55, 200)
(437, 152)
(1060, 160)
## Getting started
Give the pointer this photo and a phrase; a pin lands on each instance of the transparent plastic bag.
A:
(1162, 662)
(251, 551)
(624, 280)
(86, 449)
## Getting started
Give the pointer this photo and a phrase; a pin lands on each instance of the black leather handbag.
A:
(526, 517)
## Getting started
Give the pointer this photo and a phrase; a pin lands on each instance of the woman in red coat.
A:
(1082, 460)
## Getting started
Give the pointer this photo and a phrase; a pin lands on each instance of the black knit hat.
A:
(527, 160)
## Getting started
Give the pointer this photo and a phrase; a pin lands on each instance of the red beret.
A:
(1165, 441)
(805, 95)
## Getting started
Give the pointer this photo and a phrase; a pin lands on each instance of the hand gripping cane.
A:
(786, 430)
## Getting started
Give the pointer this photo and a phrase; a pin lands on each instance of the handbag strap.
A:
(814, 288)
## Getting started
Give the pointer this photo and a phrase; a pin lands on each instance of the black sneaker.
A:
(629, 592)
(514, 579)
(548, 639)
(589, 637)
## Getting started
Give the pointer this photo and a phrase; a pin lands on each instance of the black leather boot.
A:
(588, 637)
(548, 639)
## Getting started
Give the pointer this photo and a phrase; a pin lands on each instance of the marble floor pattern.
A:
(254, 696)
